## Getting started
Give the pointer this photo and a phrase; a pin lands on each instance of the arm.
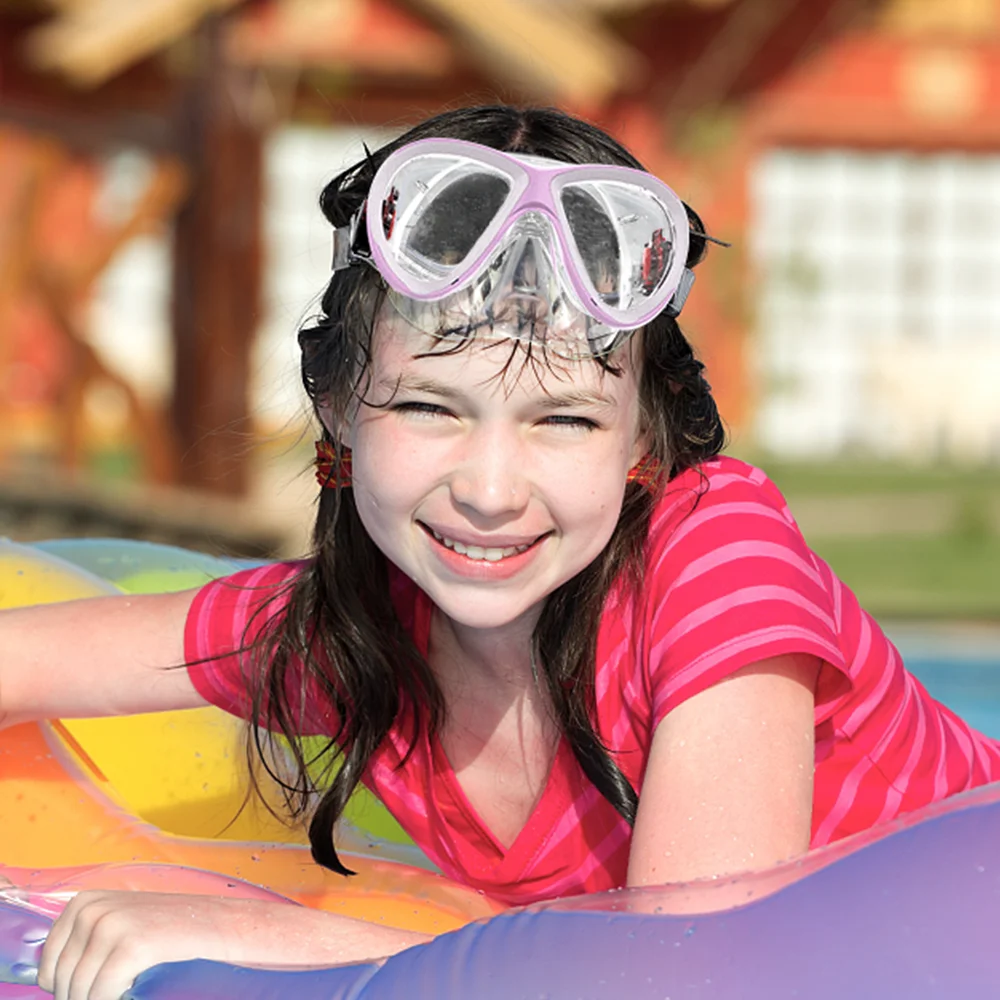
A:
(98, 656)
(105, 939)
(728, 786)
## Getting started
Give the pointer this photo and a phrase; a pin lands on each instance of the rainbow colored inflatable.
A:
(911, 909)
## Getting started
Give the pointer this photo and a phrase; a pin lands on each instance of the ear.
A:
(640, 447)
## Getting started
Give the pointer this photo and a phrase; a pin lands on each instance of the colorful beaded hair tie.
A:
(332, 470)
(647, 472)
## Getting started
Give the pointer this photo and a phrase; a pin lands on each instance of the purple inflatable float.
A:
(911, 910)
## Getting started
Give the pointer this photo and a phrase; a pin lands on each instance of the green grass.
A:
(951, 575)
(843, 478)
(937, 576)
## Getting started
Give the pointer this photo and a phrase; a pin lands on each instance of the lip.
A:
(483, 541)
(483, 569)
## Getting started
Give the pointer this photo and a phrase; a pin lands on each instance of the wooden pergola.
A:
(197, 83)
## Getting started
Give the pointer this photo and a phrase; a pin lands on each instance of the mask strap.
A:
(676, 304)
(342, 240)
(346, 251)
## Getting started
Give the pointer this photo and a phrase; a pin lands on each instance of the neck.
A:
(495, 656)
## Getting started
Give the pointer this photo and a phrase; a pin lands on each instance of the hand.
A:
(104, 939)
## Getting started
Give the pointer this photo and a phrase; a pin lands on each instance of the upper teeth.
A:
(477, 551)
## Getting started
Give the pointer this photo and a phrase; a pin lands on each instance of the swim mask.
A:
(472, 241)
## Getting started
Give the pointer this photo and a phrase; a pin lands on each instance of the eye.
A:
(422, 409)
(566, 420)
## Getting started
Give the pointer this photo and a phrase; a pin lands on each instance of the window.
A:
(879, 293)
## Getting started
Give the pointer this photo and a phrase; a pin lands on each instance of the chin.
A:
(484, 611)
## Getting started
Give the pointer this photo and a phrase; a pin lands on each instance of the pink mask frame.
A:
(536, 185)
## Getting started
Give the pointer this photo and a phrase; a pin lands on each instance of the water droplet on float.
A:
(22, 974)
(688, 932)
(980, 868)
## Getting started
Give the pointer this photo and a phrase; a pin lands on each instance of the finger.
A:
(78, 949)
(105, 963)
(83, 952)
(60, 933)
(116, 977)
(78, 980)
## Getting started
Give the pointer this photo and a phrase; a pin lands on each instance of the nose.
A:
(490, 481)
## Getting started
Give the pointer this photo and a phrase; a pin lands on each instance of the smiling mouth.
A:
(478, 552)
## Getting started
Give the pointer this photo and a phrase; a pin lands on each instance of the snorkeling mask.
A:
(472, 241)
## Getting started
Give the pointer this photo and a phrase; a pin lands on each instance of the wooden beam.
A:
(131, 109)
(153, 212)
(89, 43)
(709, 79)
(216, 273)
(630, 6)
(965, 20)
(158, 452)
(24, 274)
(378, 37)
(89, 132)
(559, 53)
(18, 227)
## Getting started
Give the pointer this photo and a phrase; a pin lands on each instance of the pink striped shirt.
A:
(729, 581)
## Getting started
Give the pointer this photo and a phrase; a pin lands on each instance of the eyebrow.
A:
(416, 383)
(576, 397)
(550, 401)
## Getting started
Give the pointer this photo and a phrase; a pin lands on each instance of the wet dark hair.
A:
(340, 621)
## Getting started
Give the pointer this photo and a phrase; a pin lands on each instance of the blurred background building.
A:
(160, 243)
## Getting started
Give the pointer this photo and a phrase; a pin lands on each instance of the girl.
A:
(567, 644)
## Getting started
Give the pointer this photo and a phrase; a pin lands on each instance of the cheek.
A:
(588, 497)
(393, 475)
(385, 459)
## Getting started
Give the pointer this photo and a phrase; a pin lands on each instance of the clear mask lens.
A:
(522, 293)
(624, 236)
(437, 210)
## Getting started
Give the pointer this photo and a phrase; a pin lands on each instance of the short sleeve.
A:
(226, 617)
(731, 581)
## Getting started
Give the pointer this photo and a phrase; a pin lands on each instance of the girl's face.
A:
(490, 489)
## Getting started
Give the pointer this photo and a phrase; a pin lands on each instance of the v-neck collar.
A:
(555, 800)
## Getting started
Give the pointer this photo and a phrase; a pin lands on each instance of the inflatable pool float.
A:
(909, 909)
